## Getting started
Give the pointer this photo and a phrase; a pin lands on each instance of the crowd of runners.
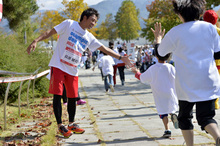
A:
(193, 78)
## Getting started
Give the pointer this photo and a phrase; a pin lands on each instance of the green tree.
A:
(26, 32)
(48, 21)
(73, 9)
(160, 11)
(16, 11)
(212, 3)
(108, 29)
(127, 21)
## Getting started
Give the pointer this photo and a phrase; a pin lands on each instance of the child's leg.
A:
(165, 121)
(205, 112)
(185, 121)
(188, 137)
(111, 83)
(106, 83)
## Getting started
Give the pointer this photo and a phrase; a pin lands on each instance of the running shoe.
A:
(112, 88)
(75, 129)
(167, 134)
(175, 121)
(81, 102)
(65, 132)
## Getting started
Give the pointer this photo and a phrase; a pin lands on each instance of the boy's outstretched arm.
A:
(43, 36)
(110, 52)
(158, 33)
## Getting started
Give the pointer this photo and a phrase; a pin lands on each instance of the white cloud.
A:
(56, 4)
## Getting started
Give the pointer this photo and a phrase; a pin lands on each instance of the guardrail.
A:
(9, 80)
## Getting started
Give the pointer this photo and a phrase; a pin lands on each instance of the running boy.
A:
(161, 78)
(193, 44)
(106, 63)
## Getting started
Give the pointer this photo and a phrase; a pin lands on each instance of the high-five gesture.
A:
(158, 32)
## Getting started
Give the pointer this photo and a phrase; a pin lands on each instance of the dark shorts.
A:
(205, 111)
(162, 116)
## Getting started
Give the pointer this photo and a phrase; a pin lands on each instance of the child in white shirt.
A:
(106, 63)
(161, 77)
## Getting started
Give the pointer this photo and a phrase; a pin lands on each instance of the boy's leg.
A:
(106, 83)
(167, 132)
(185, 121)
(213, 130)
(56, 88)
(71, 83)
(188, 137)
(165, 122)
(111, 83)
(205, 112)
(57, 108)
(71, 108)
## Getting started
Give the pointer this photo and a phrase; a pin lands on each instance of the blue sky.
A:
(56, 4)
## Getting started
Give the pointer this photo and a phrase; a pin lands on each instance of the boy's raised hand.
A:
(158, 33)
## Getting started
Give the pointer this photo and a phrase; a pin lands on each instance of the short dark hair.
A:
(111, 44)
(190, 10)
(89, 12)
(164, 58)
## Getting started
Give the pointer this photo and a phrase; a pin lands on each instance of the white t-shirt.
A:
(193, 45)
(161, 77)
(106, 63)
(72, 43)
(116, 60)
(100, 55)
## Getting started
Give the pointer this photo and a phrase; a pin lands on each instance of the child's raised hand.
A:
(158, 33)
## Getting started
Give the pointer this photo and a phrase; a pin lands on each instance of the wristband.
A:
(119, 58)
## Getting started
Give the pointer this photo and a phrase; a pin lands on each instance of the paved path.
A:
(126, 117)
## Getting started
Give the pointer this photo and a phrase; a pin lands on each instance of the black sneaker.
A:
(175, 121)
(167, 134)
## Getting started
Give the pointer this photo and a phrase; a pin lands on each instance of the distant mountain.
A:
(111, 6)
(105, 7)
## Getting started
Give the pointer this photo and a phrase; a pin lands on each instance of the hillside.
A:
(105, 7)
(111, 6)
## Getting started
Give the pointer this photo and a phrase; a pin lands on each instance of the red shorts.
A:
(58, 78)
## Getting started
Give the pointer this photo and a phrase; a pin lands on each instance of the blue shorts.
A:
(162, 116)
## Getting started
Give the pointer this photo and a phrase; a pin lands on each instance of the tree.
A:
(212, 3)
(49, 20)
(16, 11)
(107, 30)
(73, 9)
(160, 11)
(127, 21)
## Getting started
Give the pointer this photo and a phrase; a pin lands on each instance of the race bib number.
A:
(71, 57)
